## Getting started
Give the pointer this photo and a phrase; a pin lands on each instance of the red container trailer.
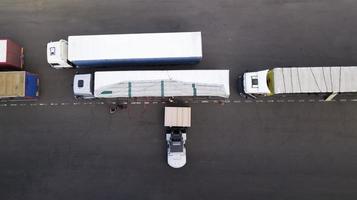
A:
(11, 55)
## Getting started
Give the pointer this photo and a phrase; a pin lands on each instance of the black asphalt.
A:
(280, 150)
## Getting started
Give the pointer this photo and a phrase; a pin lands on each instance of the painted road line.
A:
(270, 101)
(343, 100)
(280, 101)
(353, 100)
(236, 101)
(311, 100)
(291, 101)
(259, 101)
(301, 100)
(146, 102)
(248, 101)
(204, 102)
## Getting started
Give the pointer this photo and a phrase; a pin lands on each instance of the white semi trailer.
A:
(121, 49)
(295, 80)
(158, 83)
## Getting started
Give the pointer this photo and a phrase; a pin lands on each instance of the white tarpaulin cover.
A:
(161, 83)
(3, 50)
(315, 79)
(116, 47)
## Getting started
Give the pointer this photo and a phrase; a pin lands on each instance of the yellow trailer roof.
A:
(12, 84)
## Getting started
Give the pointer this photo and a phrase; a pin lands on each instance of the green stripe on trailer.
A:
(162, 89)
(194, 89)
(129, 89)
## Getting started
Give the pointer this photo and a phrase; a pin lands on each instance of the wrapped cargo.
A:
(159, 83)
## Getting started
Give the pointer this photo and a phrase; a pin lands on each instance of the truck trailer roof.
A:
(11, 54)
(86, 50)
(177, 117)
(12, 84)
(315, 79)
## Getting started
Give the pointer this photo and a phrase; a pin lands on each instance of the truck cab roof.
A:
(256, 82)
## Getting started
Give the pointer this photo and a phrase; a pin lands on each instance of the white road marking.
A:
(270, 101)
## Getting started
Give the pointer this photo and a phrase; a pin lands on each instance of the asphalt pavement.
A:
(280, 148)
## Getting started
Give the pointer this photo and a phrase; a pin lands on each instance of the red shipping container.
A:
(11, 55)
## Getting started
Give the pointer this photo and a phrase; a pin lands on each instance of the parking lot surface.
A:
(295, 147)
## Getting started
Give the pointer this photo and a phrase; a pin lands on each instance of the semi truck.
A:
(19, 85)
(294, 80)
(177, 121)
(125, 49)
(155, 83)
(11, 55)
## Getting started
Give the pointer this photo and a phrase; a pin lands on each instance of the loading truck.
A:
(157, 83)
(124, 49)
(19, 85)
(11, 55)
(295, 80)
(177, 120)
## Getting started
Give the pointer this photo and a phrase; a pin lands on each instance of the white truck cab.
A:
(177, 120)
(83, 86)
(256, 83)
(57, 54)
